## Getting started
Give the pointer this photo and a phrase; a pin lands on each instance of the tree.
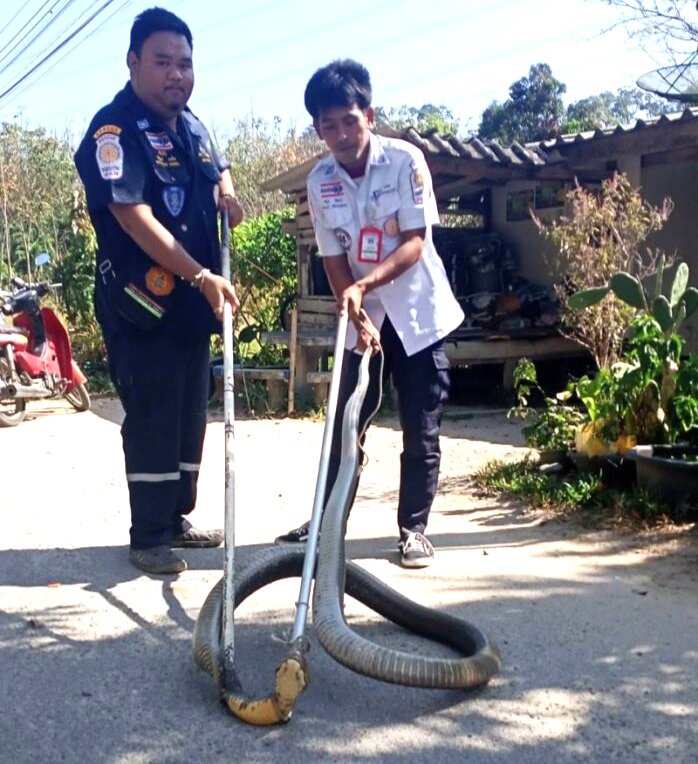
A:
(426, 117)
(533, 111)
(670, 22)
(42, 209)
(608, 109)
(261, 150)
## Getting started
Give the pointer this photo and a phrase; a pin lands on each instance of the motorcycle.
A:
(36, 359)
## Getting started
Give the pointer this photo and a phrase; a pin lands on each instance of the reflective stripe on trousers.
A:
(163, 386)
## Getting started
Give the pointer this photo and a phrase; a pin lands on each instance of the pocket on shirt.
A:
(386, 214)
(337, 217)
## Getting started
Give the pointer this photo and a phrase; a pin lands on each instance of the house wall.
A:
(677, 181)
(657, 182)
(522, 236)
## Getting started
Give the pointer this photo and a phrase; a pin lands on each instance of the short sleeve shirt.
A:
(364, 220)
(129, 156)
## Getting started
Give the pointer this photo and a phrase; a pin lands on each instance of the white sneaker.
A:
(416, 550)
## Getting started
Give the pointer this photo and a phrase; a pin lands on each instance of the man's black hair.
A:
(156, 20)
(342, 83)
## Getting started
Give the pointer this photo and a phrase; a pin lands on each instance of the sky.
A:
(256, 57)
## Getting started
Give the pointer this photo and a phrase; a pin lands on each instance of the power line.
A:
(383, 45)
(99, 27)
(9, 23)
(29, 31)
(56, 49)
(67, 28)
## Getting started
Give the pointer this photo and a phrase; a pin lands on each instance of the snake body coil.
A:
(334, 577)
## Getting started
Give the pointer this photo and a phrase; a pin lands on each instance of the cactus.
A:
(629, 290)
(690, 300)
(661, 312)
(678, 288)
(669, 312)
(587, 297)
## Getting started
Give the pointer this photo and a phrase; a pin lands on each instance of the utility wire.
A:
(28, 85)
(38, 21)
(67, 28)
(56, 49)
(228, 21)
(9, 23)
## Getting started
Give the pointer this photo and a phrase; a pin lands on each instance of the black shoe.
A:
(296, 536)
(193, 538)
(156, 559)
(416, 550)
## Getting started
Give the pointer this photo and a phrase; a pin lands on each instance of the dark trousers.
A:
(163, 386)
(422, 385)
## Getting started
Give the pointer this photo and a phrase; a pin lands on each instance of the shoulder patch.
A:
(107, 129)
(417, 182)
(110, 156)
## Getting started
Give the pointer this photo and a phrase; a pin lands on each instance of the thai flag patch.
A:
(159, 141)
(331, 190)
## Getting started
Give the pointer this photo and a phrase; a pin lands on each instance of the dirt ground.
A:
(597, 628)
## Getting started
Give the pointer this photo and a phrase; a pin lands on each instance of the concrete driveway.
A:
(598, 631)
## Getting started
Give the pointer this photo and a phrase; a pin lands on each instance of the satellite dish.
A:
(677, 83)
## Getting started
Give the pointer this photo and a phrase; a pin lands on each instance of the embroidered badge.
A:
(417, 182)
(143, 124)
(173, 196)
(331, 189)
(113, 129)
(159, 141)
(165, 159)
(378, 192)
(159, 281)
(343, 238)
(391, 226)
(110, 156)
(204, 156)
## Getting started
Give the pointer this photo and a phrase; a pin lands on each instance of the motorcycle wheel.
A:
(78, 398)
(12, 410)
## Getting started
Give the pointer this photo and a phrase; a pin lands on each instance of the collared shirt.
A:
(130, 156)
(351, 216)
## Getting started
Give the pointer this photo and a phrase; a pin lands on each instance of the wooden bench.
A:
(320, 382)
(310, 340)
(275, 377)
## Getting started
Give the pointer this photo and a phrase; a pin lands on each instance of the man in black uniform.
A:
(154, 186)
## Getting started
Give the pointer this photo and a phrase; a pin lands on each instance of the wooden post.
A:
(292, 345)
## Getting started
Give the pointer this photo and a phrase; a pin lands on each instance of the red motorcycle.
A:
(36, 359)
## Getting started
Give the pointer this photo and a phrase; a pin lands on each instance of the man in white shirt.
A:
(373, 207)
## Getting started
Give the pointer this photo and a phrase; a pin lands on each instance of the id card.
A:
(370, 245)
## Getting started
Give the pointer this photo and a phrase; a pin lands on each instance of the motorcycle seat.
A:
(11, 328)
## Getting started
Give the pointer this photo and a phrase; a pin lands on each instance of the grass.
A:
(577, 493)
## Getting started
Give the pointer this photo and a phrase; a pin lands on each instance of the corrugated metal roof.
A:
(687, 115)
(534, 154)
(517, 156)
(435, 144)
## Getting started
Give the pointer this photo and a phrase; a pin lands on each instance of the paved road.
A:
(599, 632)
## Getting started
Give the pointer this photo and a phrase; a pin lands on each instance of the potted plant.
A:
(651, 395)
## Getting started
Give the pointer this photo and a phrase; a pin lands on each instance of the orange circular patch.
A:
(391, 226)
(159, 281)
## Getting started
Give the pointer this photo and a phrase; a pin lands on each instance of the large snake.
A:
(334, 577)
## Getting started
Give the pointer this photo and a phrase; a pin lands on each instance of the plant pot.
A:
(552, 456)
(614, 470)
(669, 472)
